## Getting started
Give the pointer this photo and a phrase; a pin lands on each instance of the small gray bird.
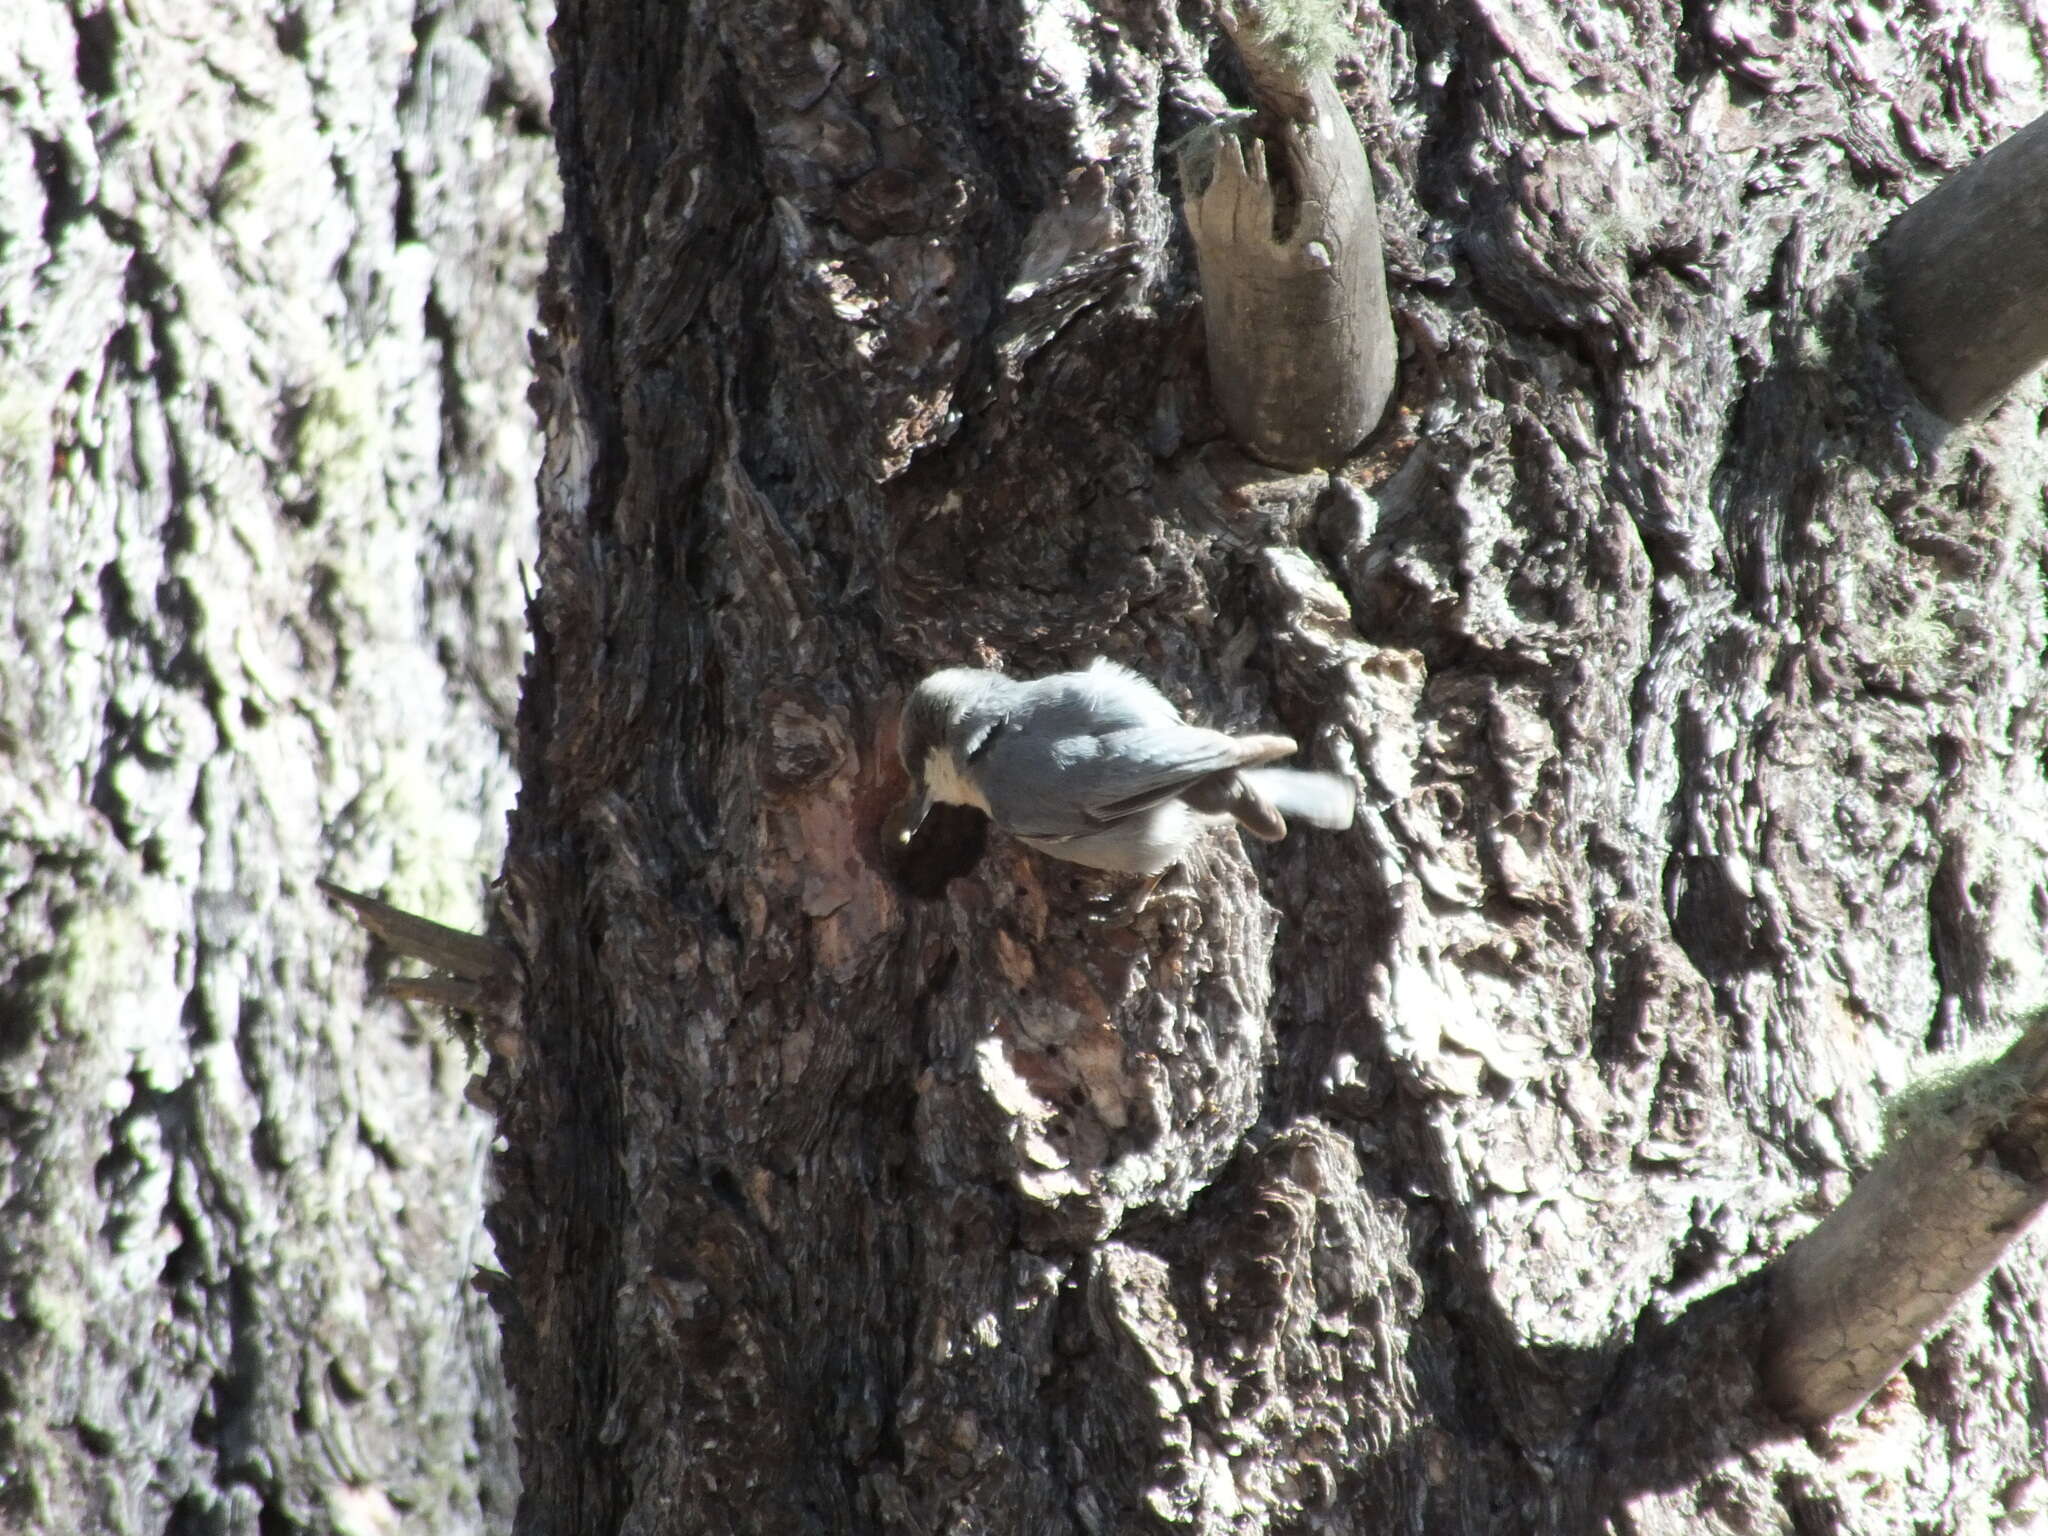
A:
(1097, 768)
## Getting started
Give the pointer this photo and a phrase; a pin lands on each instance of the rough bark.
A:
(1426, 1178)
(266, 277)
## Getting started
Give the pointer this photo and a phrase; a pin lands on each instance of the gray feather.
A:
(1137, 769)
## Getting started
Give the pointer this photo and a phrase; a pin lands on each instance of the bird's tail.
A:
(1320, 799)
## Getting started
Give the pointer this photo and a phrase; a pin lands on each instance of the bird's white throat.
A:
(944, 780)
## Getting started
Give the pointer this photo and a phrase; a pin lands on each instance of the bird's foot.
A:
(1176, 904)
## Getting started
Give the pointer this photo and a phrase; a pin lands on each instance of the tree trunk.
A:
(266, 276)
(1420, 1178)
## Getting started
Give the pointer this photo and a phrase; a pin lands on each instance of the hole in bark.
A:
(404, 219)
(61, 200)
(343, 1385)
(21, 1002)
(948, 845)
(1693, 1259)
(722, 1184)
(1280, 176)
(99, 39)
(181, 1265)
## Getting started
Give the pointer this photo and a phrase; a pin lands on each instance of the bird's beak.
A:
(910, 815)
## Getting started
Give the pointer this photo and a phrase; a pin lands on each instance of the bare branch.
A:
(437, 992)
(1858, 1294)
(466, 955)
(1965, 274)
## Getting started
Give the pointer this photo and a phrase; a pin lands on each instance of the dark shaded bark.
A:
(1424, 1178)
(266, 278)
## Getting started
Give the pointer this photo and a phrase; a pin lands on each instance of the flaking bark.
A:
(266, 274)
(1425, 1177)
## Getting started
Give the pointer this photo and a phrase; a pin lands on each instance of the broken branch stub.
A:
(1965, 278)
(468, 956)
(1861, 1291)
(1294, 286)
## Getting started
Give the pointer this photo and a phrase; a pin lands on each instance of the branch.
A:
(1965, 277)
(476, 972)
(1294, 286)
(1858, 1294)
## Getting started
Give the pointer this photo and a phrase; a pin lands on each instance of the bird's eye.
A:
(986, 740)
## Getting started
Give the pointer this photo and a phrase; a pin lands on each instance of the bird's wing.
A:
(1135, 770)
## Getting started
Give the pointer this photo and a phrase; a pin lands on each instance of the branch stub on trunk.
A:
(1294, 288)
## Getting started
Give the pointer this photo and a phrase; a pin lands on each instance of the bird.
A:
(1098, 768)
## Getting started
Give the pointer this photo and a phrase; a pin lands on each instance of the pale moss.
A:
(244, 180)
(1966, 1083)
(1612, 236)
(1917, 642)
(341, 430)
(1195, 152)
(24, 422)
(27, 438)
(339, 437)
(439, 867)
(107, 956)
(1305, 35)
(1920, 640)
(57, 1311)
